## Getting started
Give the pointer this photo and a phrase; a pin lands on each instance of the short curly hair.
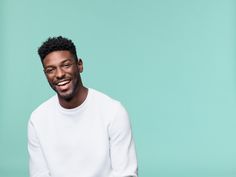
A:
(56, 44)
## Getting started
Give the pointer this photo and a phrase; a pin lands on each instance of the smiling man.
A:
(79, 132)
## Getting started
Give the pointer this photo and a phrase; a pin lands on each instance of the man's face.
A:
(63, 73)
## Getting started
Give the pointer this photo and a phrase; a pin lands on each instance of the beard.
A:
(75, 84)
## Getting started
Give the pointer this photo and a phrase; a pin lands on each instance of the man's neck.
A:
(76, 101)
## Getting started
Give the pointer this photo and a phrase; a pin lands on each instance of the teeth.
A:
(62, 83)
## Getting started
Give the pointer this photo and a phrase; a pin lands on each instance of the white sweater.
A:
(92, 140)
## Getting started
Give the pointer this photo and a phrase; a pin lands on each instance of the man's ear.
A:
(44, 68)
(80, 65)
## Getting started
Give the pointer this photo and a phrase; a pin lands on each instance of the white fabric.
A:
(92, 140)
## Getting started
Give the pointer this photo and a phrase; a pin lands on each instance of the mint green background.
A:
(171, 63)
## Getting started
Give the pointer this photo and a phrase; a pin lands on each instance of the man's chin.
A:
(65, 96)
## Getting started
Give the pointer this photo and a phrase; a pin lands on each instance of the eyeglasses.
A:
(65, 66)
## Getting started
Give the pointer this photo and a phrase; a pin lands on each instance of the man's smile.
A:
(63, 85)
(63, 82)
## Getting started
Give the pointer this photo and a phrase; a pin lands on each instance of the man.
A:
(79, 132)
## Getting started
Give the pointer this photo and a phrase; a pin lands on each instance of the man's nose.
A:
(60, 73)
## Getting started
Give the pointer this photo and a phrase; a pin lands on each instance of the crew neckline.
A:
(76, 109)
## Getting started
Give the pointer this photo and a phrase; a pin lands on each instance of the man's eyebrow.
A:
(65, 60)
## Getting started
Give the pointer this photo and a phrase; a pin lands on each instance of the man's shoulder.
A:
(45, 106)
(105, 102)
(103, 98)
(110, 109)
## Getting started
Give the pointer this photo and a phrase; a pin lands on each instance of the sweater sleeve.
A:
(37, 163)
(122, 148)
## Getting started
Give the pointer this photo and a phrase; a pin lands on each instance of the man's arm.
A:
(122, 148)
(37, 163)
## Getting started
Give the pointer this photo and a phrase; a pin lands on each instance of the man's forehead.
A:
(56, 57)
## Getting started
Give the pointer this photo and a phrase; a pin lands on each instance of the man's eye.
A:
(66, 65)
(49, 70)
